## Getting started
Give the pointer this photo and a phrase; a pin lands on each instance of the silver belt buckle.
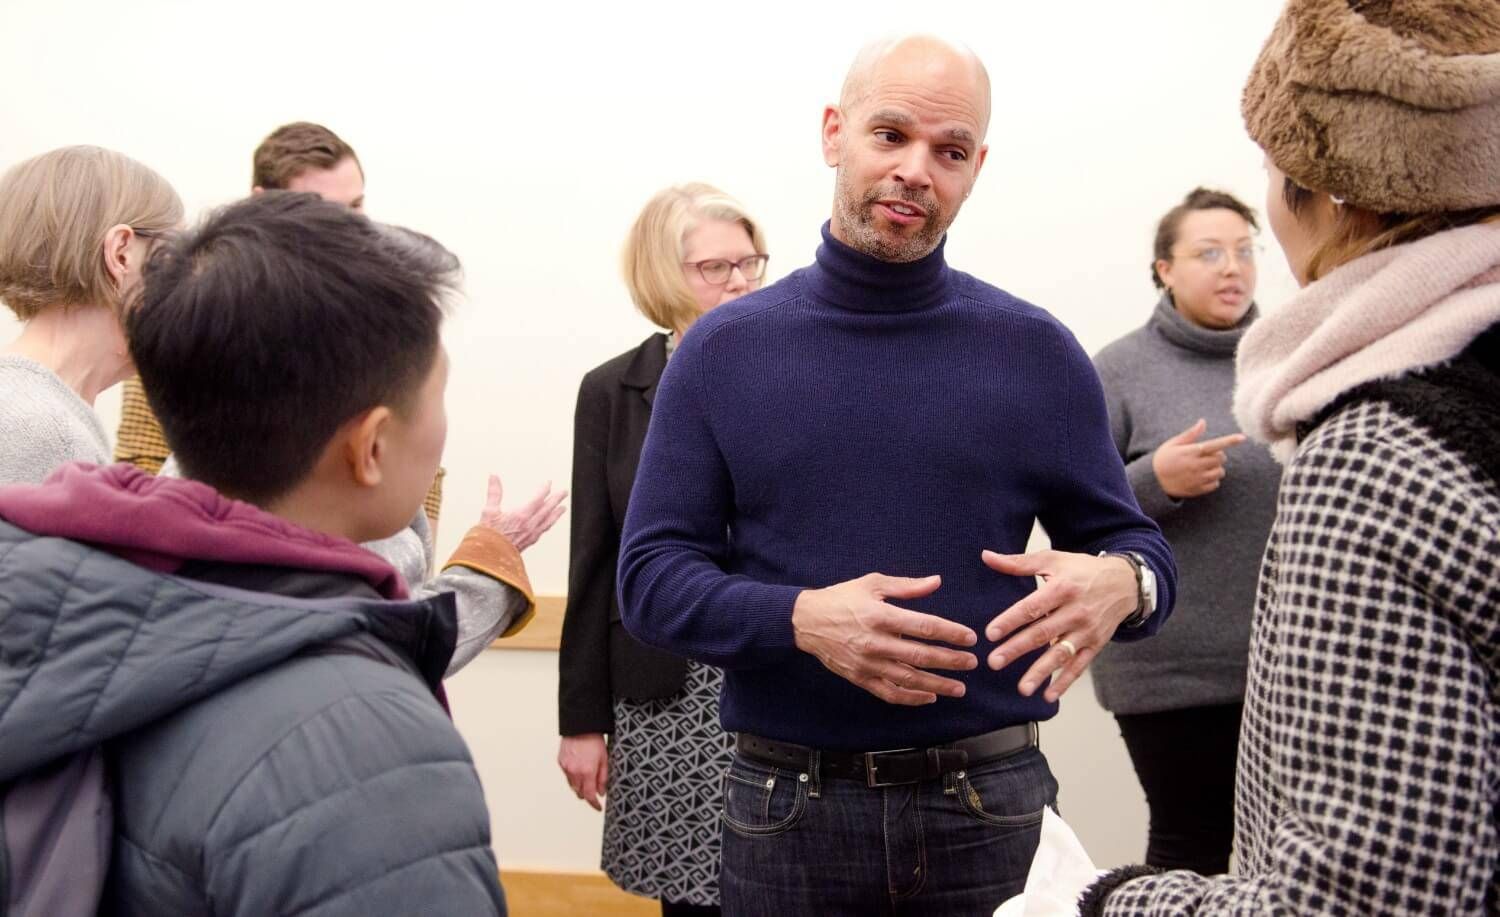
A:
(870, 768)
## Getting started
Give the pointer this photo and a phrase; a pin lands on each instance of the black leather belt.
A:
(893, 766)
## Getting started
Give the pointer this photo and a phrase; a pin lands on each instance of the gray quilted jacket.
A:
(276, 743)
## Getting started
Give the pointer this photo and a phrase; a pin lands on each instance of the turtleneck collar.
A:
(1173, 326)
(850, 279)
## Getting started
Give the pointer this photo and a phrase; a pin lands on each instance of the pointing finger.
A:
(1208, 447)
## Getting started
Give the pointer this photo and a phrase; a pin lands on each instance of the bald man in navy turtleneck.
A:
(880, 411)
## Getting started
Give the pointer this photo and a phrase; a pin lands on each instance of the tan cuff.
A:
(486, 551)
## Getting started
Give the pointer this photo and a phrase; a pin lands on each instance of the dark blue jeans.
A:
(959, 845)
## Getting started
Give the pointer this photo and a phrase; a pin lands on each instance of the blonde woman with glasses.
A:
(692, 248)
(76, 226)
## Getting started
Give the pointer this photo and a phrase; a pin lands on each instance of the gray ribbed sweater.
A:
(1158, 380)
(43, 423)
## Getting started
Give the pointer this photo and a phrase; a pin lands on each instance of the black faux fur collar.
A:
(1459, 402)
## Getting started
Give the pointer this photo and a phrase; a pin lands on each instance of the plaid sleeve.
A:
(140, 440)
(1369, 765)
(432, 505)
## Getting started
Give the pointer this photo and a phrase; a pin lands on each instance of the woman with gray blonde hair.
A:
(76, 229)
(691, 249)
(1369, 768)
(76, 226)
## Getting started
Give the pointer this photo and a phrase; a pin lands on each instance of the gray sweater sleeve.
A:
(1153, 501)
(487, 607)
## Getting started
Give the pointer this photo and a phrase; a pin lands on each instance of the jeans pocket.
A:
(1009, 793)
(762, 801)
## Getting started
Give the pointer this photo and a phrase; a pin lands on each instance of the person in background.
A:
(76, 225)
(659, 770)
(878, 431)
(1168, 386)
(1369, 771)
(300, 156)
(269, 696)
(494, 595)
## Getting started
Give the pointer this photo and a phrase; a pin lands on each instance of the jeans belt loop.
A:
(952, 759)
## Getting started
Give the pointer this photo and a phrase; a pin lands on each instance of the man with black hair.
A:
(269, 697)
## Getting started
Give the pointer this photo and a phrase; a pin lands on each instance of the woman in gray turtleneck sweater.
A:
(1177, 697)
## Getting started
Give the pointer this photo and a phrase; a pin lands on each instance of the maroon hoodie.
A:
(162, 523)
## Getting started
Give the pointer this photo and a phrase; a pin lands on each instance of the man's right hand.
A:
(859, 637)
(1187, 468)
(585, 760)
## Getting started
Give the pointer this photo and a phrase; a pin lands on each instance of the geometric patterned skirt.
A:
(667, 760)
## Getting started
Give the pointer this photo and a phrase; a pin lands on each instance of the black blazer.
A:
(598, 660)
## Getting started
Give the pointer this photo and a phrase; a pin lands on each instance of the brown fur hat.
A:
(1392, 105)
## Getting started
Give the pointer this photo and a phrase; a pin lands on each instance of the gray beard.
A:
(857, 218)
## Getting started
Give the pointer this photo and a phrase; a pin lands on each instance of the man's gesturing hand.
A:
(1081, 602)
(859, 637)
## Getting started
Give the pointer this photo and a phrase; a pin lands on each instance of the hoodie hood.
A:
(97, 638)
(161, 523)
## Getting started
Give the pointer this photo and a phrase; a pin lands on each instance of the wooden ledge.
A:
(569, 894)
(545, 630)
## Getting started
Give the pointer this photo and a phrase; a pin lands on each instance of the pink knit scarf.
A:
(1377, 317)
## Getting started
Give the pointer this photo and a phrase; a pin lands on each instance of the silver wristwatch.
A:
(1145, 587)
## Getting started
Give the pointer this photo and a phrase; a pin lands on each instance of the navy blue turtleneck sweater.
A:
(859, 417)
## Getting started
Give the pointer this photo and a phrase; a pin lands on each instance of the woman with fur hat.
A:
(1369, 771)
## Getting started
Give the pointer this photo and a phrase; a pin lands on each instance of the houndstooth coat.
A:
(1369, 770)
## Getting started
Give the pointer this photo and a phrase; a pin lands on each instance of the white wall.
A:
(525, 139)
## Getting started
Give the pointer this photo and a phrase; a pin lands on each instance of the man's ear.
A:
(257, 189)
(833, 134)
(364, 446)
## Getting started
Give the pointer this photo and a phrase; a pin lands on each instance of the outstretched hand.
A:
(522, 527)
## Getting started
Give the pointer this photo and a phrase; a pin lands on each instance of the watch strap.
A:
(1137, 566)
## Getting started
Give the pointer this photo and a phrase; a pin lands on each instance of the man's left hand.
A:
(1081, 602)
